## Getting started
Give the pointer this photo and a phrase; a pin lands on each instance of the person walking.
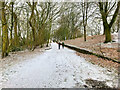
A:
(63, 45)
(59, 45)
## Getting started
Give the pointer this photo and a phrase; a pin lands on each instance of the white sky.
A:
(63, 0)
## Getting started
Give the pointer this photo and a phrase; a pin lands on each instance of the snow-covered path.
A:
(55, 69)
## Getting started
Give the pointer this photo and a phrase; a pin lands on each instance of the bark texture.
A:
(104, 13)
(4, 33)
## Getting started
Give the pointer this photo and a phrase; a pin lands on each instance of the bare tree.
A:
(4, 32)
(105, 10)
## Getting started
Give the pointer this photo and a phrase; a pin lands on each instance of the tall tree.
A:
(105, 10)
(32, 22)
(85, 6)
(118, 22)
(12, 5)
(4, 32)
(15, 30)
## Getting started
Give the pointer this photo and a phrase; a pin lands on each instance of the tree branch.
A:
(115, 15)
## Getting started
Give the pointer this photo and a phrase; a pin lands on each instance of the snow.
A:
(115, 37)
(55, 69)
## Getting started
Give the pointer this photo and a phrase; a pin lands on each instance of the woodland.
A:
(26, 25)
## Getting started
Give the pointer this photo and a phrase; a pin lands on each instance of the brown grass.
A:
(93, 44)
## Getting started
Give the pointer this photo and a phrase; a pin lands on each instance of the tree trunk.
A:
(33, 31)
(107, 35)
(11, 25)
(27, 27)
(118, 23)
(118, 27)
(104, 14)
(0, 32)
(15, 30)
(84, 33)
(32, 25)
(4, 33)
(85, 15)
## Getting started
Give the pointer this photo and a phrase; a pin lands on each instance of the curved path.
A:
(56, 69)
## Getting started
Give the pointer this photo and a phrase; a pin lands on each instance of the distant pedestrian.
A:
(59, 45)
(63, 45)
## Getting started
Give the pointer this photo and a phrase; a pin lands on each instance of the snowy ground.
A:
(116, 39)
(56, 69)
